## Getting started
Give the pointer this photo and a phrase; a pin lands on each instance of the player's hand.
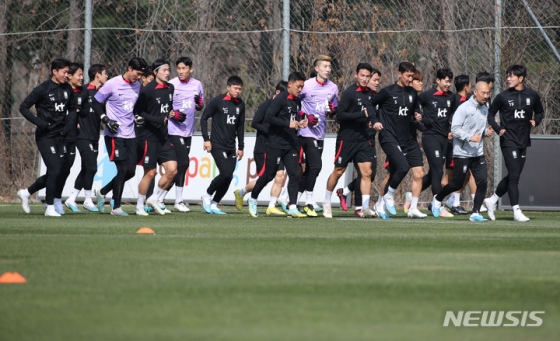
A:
(303, 124)
(112, 125)
(139, 121)
(294, 125)
(207, 146)
(177, 115)
(418, 117)
(502, 132)
(476, 137)
(450, 136)
(239, 155)
(313, 120)
(331, 109)
(78, 126)
(198, 102)
(533, 123)
(489, 131)
(365, 111)
(378, 126)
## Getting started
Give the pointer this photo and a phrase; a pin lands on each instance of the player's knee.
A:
(315, 169)
(366, 173)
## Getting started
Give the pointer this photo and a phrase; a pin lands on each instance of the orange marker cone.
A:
(12, 278)
(145, 230)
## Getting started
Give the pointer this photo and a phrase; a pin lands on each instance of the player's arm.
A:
(241, 128)
(207, 114)
(492, 111)
(376, 102)
(423, 99)
(71, 118)
(199, 98)
(97, 104)
(273, 111)
(33, 98)
(258, 122)
(538, 111)
(458, 123)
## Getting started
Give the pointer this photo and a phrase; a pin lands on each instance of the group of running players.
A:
(149, 120)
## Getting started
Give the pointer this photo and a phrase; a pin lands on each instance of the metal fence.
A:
(253, 38)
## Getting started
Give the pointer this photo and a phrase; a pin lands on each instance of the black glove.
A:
(199, 103)
(139, 121)
(179, 116)
(112, 125)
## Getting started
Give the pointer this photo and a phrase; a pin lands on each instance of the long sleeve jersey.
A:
(469, 119)
(70, 130)
(261, 126)
(52, 101)
(437, 108)
(315, 98)
(119, 96)
(228, 122)
(284, 108)
(396, 108)
(154, 104)
(517, 109)
(351, 116)
(183, 100)
(88, 120)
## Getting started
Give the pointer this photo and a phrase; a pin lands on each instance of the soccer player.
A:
(154, 107)
(228, 123)
(188, 99)
(469, 129)
(285, 117)
(438, 105)
(52, 100)
(120, 94)
(259, 154)
(520, 109)
(148, 76)
(70, 132)
(319, 99)
(373, 85)
(397, 112)
(463, 89)
(353, 140)
(87, 140)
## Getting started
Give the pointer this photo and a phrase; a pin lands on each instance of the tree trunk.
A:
(74, 16)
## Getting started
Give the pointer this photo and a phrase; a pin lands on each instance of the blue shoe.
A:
(380, 214)
(216, 211)
(112, 203)
(72, 206)
(390, 205)
(435, 210)
(59, 208)
(91, 207)
(317, 208)
(100, 200)
(295, 213)
(207, 205)
(284, 205)
(148, 209)
(253, 208)
(477, 217)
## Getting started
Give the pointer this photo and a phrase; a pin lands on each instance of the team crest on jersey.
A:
(65, 95)
(448, 103)
(237, 111)
(225, 110)
(79, 101)
(528, 101)
(170, 97)
(410, 98)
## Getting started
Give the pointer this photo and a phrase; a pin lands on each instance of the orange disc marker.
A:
(145, 230)
(12, 278)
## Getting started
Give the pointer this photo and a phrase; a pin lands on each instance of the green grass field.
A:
(202, 277)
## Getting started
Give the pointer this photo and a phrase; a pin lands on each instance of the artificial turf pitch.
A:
(233, 277)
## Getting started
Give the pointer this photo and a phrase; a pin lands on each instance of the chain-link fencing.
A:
(245, 37)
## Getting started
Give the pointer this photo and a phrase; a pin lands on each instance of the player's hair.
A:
(461, 82)
(148, 72)
(374, 71)
(95, 69)
(517, 70)
(157, 64)
(485, 77)
(417, 76)
(406, 66)
(138, 63)
(185, 60)
(75, 67)
(59, 63)
(444, 73)
(295, 76)
(364, 66)
(234, 80)
(322, 58)
(313, 74)
(282, 86)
